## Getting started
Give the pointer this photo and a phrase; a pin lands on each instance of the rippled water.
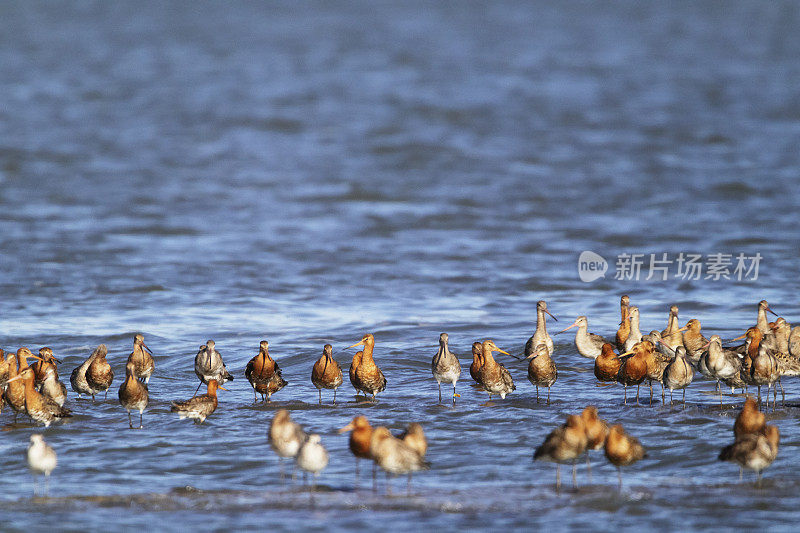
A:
(310, 173)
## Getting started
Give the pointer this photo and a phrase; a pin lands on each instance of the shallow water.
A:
(308, 174)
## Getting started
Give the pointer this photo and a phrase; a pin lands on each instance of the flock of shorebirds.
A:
(670, 357)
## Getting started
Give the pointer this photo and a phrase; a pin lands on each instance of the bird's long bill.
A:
(705, 345)
(36, 357)
(568, 327)
(503, 351)
(148, 349)
(57, 360)
(359, 343)
(684, 328)
(15, 378)
(348, 427)
(627, 353)
(221, 387)
(551, 315)
(771, 311)
(740, 337)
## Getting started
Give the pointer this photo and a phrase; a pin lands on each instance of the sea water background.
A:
(307, 173)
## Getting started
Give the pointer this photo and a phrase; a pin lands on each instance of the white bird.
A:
(312, 457)
(41, 460)
(285, 436)
(589, 344)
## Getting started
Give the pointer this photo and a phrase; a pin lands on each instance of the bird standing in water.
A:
(142, 359)
(285, 436)
(41, 460)
(200, 407)
(208, 365)
(133, 394)
(326, 373)
(542, 370)
(360, 437)
(264, 374)
(564, 444)
(540, 336)
(622, 449)
(100, 375)
(368, 377)
(445, 366)
(493, 376)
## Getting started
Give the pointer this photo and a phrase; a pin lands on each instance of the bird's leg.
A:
(35, 484)
(334, 396)
(625, 401)
(388, 485)
(670, 396)
(357, 462)
(374, 477)
(255, 397)
(558, 477)
(662, 392)
(320, 396)
(130, 422)
(141, 425)
(637, 393)
(537, 393)
(651, 392)
(440, 392)
(408, 485)
(454, 394)
(783, 395)
(619, 476)
(548, 395)
(106, 396)
(684, 397)
(588, 466)
(280, 466)
(759, 395)
(574, 474)
(47, 484)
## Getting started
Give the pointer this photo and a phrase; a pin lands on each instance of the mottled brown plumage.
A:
(326, 373)
(264, 374)
(142, 359)
(133, 394)
(198, 407)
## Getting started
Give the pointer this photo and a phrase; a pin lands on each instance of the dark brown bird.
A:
(326, 373)
(264, 374)
(133, 394)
